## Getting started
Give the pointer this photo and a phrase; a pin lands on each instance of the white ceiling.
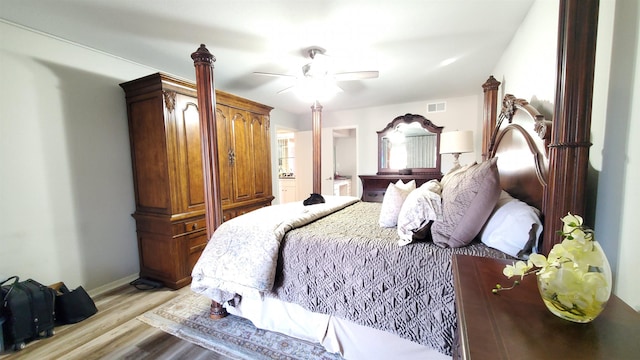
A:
(408, 41)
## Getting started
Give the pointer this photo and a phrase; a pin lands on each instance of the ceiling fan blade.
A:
(273, 74)
(356, 75)
(285, 90)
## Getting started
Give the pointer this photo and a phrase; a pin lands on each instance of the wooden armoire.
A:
(166, 155)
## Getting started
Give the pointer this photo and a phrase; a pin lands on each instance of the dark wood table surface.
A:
(515, 324)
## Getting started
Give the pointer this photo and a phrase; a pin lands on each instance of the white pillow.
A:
(410, 186)
(433, 186)
(514, 227)
(392, 202)
(421, 205)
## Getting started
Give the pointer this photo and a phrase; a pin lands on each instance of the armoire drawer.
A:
(181, 228)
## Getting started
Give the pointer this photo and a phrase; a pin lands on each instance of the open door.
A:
(327, 169)
(339, 161)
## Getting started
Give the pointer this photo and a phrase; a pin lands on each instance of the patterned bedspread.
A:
(348, 266)
(241, 256)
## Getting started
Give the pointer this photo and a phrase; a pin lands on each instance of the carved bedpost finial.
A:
(490, 84)
(509, 106)
(202, 55)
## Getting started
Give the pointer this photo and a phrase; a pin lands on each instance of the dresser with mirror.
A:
(408, 149)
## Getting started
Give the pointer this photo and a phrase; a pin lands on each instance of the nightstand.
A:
(515, 324)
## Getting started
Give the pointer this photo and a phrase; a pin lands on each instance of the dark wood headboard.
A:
(520, 142)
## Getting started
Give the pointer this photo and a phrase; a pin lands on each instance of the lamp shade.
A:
(456, 142)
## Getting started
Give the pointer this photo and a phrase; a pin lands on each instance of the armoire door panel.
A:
(159, 254)
(260, 145)
(242, 166)
(149, 155)
(173, 142)
(194, 191)
(223, 129)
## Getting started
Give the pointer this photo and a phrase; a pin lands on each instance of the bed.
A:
(344, 275)
(403, 316)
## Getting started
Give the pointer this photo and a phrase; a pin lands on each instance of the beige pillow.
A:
(468, 199)
(392, 202)
(456, 170)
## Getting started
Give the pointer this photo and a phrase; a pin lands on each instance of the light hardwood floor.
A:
(115, 333)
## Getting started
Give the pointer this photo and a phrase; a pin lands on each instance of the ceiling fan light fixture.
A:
(311, 89)
(319, 66)
(318, 79)
(314, 70)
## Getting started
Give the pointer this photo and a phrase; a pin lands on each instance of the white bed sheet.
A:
(337, 335)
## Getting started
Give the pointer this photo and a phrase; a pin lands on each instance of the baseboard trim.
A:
(113, 285)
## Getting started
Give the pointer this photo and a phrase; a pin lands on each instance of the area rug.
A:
(187, 317)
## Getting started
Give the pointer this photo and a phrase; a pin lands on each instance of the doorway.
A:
(286, 175)
(339, 161)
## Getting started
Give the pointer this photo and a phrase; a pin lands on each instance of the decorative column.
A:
(316, 130)
(570, 137)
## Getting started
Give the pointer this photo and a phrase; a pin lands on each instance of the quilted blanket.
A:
(242, 254)
(347, 266)
(339, 263)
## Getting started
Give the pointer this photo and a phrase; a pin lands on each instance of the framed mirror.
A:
(410, 144)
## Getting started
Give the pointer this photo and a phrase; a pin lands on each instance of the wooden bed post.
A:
(490, 89)
(316, 127)
(570, 137)
(203, 61)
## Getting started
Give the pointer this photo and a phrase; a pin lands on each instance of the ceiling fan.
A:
(318, 74)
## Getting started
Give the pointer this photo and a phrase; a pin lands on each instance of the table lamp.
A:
(456, 143)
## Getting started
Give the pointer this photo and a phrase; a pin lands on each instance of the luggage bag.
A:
(28, 311)
(72, 306)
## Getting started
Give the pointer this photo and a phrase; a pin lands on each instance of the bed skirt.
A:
(336, 335)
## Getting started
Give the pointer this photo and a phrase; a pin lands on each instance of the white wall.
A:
(345, 165)
(66, 186)
(66, 179)
(527, 70)
(616, 152)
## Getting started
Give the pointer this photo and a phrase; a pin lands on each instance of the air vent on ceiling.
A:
(437, 107)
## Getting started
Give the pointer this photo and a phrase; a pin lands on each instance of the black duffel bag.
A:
(27, 311)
